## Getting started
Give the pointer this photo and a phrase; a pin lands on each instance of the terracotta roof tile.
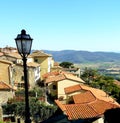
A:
(73, 77)
(63, 76)
(80, 111)
(4, 86)
(72, 89)
(101, 106)
(100, 94)
(85, 97)
(86, 110)
(60, 105)
(55, 78)
(8, 48)
(53, 73)
(88, 104)
(39, 53)
(14, 55)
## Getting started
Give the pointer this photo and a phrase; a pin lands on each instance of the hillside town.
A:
(62, 87)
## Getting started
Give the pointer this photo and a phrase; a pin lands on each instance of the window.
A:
(22, 78)
(38, 70)
(54, 87)
(20, 85)
(36, 60)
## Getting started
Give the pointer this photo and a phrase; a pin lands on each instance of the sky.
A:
(91, 25)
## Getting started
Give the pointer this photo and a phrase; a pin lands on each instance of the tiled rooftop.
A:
(80, 111)
(100, 106)
(39, 53)
(4, 86)
(14, 55)
(87, 110)
(100, 94)
(6, 61)
(85, 97)
(89, 103)
(72, 89)
(63, 108)
(54, 73)
(55, 78)
(73, 77)
(63, 76)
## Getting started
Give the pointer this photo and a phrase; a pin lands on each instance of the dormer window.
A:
(35, 60)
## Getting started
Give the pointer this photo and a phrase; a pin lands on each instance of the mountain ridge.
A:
(80, 56)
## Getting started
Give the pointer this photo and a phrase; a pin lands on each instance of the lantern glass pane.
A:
(19, 47)
(26, 46)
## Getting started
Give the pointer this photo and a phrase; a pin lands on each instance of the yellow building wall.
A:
(4, 73)
(43, 61)
(63, 84)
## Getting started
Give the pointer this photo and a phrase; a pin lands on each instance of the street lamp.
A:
(24, 43)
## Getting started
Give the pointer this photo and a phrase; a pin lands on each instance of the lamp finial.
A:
(23, 32)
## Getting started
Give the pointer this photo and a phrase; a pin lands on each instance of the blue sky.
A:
(92, 25)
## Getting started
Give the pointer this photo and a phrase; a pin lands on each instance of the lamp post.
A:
(24, 43)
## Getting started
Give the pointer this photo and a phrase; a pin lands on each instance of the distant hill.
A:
(83, 56)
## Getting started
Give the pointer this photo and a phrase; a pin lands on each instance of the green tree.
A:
(39, 111)
(89, 75)
(66, 64)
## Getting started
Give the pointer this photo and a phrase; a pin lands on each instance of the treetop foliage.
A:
(66, 64)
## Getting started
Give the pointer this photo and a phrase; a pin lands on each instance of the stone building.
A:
(33, 74)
